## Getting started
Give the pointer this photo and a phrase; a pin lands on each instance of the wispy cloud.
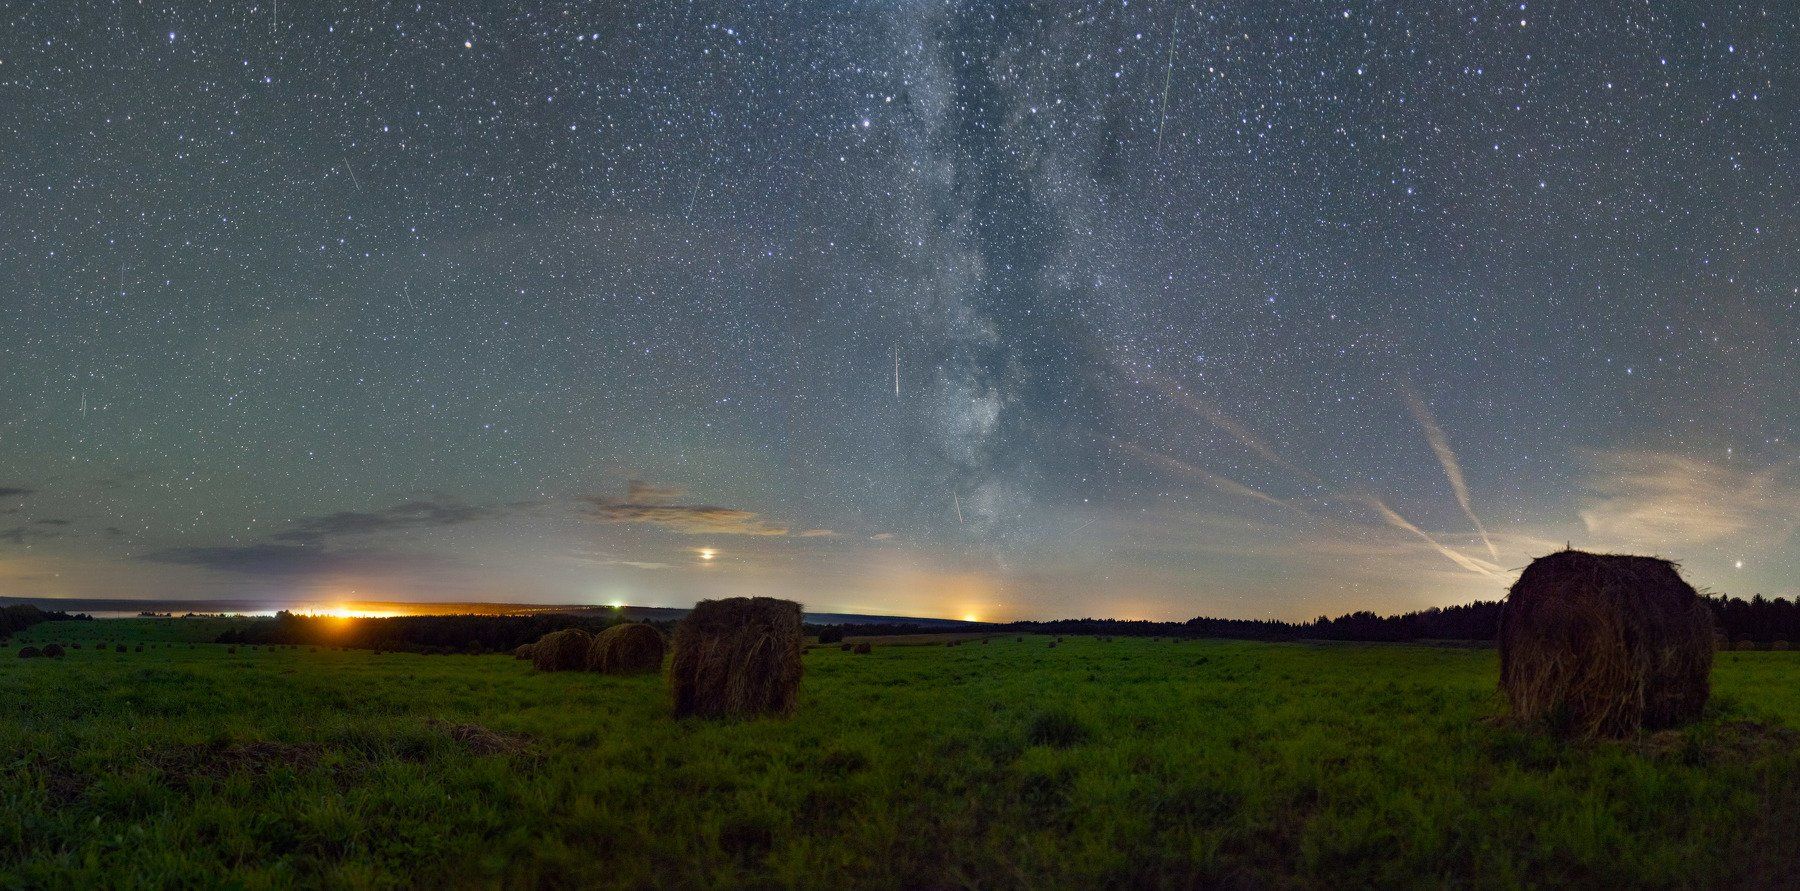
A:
(650, 505)
(420, 513)
(1661, 501)
(1452, 467)
(274, 559)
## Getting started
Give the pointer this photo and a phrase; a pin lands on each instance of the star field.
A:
(1003, 310)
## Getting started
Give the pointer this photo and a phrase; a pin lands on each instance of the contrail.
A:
(956, 503)
(1223, 484)
(1452, 468)
(1218, 418)
(1481, 567)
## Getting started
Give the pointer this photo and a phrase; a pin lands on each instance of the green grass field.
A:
(1008, 764)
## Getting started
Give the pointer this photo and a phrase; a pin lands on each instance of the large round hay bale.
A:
(861, 648)
(631, 648)
(564, 650)
(53, 651)
(1780, 645)
(30, 653)
(1746, 644)
(1605, 644)
(737, 657)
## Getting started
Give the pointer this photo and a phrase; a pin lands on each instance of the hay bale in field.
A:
(564, 650)
(1746, 644)
(739, 656)
(523, 651)
(53, 651)
(30, 653)
(120, 648)
(1605, 644)
(846, 647)
(631, 648)
(1052, 645)
(1780, 645)
(229, 650)
(861, 648)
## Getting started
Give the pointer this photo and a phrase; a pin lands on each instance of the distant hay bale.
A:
(1780, 645)
(121, 648)
(846, 647)
(31, 653)
(230, 650)
(861, 648)
(1052, 645)
(739, 656)
(1746, 644)
(1605, 645)
(523, 651)
(564, 650)
(53, 651)
(631, 648)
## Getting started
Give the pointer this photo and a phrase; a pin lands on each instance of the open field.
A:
(1002, 764)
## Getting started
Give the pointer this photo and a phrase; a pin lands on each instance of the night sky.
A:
(1139, 310)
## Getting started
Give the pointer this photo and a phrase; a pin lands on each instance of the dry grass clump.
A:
(737, 657)
(564, 650)
(631, 648)
(1605, 645)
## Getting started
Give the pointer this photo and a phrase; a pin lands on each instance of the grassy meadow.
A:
(1005, 764)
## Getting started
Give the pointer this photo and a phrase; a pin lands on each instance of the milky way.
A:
(989, 309)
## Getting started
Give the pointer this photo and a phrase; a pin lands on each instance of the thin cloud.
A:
(422, 513)
(649, 505)
(816, 533)
(1661, 501)
(1452, 467)
(263, 558)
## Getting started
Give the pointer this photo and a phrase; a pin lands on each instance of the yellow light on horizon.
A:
(708, 553)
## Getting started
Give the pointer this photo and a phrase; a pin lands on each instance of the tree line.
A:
(21, 616)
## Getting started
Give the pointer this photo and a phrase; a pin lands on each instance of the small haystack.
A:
(564, 650)
(737, 657)
(30, 653)
(631, 648)
(53, 651)
(860, 648)
(1605, 645)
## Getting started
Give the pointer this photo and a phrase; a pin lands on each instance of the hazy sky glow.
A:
(1143, 310)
